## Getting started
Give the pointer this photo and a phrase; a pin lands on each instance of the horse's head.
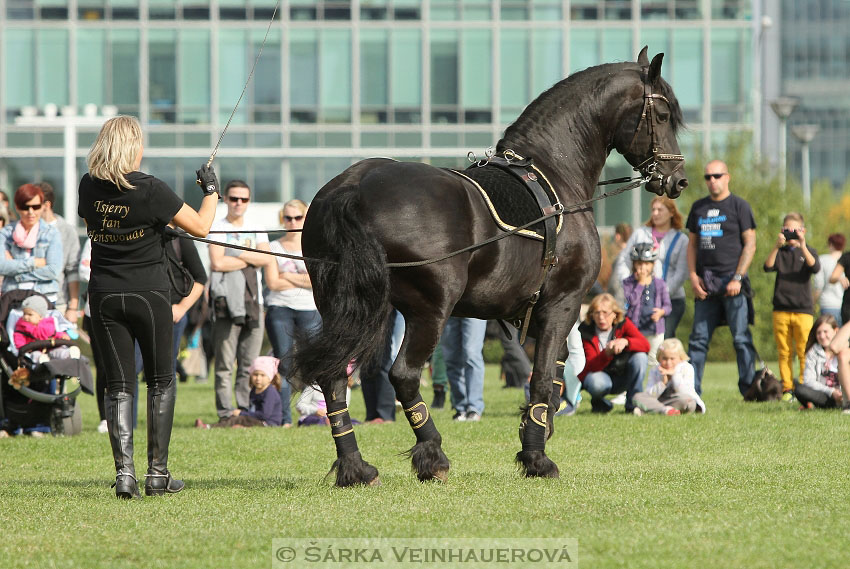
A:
(647, 137)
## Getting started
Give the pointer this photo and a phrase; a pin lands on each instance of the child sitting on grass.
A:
(670, 389)
(820, 387)
(266, 408)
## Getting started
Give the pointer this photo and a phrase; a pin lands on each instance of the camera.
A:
(789, 234)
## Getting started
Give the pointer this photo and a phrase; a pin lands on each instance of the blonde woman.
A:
(126, 211)
(615, 353)
(289, 303)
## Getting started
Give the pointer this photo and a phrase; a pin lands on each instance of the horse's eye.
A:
(663, 117)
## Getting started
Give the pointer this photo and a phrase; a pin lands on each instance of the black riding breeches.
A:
(121, 318)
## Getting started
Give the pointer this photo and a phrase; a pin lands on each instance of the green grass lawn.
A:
(746, 485)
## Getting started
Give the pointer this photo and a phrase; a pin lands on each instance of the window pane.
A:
(52, 66)
(19, 59)
(513, 60)
(686, 68)
(444, 67)
(406, 75)
(163, 75)
(584, 49)
(125, 67)
(546, 60)
(91, 66)
(373, 68)
(616, 46)
(194, 76)
(335, 75)
(303, 66)
(477, 69)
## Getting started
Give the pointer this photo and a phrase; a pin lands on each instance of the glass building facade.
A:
(341, 80)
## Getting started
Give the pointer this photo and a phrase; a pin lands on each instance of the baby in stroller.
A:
(42, 369)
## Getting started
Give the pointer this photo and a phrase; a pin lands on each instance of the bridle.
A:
(649, 167)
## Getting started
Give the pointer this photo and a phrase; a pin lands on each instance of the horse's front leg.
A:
(420, 338)
(350, 467)
(536, 425)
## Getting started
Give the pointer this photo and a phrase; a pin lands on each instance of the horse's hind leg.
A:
(536, 425)
(420, 338)
(350, 467)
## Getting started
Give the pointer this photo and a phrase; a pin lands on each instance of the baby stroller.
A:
(50, 398)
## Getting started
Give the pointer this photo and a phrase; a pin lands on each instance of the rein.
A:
(573, 208)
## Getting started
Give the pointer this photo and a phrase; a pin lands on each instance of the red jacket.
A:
(596, 358)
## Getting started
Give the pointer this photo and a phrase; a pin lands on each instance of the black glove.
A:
(207, 180)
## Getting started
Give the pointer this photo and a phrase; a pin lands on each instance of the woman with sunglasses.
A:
(32, 248)
(289, 302)
(126, 212)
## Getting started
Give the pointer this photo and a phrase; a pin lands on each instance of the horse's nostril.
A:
(682, 183)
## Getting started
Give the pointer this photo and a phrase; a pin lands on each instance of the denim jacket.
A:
(21, 268)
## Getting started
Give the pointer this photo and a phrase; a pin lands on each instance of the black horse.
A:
(380, 211)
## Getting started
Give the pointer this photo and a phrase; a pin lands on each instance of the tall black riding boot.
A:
(119, 421)
(158, 480)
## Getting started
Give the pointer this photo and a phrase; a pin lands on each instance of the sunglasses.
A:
(715, 176)
(290, 218)
(235, 199)
(34, 207)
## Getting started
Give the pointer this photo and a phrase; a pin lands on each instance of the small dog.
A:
(765, 387)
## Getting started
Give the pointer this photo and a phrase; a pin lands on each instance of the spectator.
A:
(839, 277)
(4, 201)
(312, 407)
(827, 293)
(794, 263)
(100, 371)
(820, 387)
(289, 300)
(615, 354)
(462, 344)
(378, 392)
(69, 279)
(721, 246)
(31, 256)
(187, 278)
(622, 234)
(516, 367)
(647, 299)
(265, 408)
(439, 380)
(670, 389)
(663, 231)
(237, 300)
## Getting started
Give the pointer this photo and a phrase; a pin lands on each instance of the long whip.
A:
(245, 88)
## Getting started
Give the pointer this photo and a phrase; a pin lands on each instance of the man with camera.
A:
(794, 263)
(721, 246)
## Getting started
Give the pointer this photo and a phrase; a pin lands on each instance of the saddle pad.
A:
(509, 200)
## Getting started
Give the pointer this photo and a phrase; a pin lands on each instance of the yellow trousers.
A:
(791, 330)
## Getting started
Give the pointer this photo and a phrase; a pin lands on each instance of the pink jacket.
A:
(26, 332)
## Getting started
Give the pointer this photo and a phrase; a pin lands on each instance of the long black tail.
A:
(352, 295)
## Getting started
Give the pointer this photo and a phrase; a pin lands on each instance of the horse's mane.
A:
(566, 95)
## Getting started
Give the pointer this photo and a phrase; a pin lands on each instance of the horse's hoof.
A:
(535, 464)
(352, 470)
(428, 461)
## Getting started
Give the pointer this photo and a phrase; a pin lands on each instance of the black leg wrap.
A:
(350, 467)
(532, 428)
(426, 457)
(420, 420)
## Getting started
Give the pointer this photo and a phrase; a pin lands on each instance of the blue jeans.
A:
(706, 317)
(835, 312)
(462, 342)
(599, 384)
(281, 323)
(671, 321)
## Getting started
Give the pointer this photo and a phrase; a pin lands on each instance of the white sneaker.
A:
(102, 428)
(74, 352)
(637, 411)
(620, 399)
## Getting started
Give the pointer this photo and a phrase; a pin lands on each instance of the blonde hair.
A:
(672, 346)
(114, 152)
(297, 204)
(599, 299)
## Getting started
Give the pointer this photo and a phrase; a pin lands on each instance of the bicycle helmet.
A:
(644, 252)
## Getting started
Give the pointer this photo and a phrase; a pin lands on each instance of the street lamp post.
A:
(69, 121)
(783, 107)
(805, 133)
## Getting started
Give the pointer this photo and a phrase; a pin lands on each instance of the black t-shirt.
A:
(793, 290)
(719, 225)
(125, 228)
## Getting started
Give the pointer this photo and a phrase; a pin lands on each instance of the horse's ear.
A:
(643, 60)
(655, 68)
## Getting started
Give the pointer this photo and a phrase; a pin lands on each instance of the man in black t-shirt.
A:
(721, 247)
